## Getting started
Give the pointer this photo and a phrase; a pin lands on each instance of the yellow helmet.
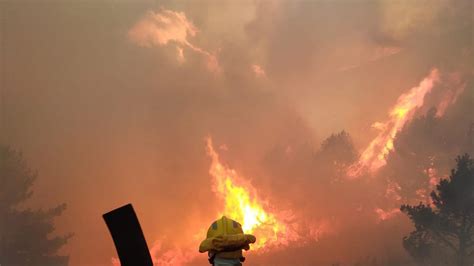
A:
(226, 236)
(224, 226)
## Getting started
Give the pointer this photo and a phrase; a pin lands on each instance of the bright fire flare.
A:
(373, 157)
(241, 204)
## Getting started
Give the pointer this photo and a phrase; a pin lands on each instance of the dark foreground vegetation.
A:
(26, 235)
(444, 229)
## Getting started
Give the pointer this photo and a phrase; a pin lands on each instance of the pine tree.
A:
(448, 225)
(24, 233)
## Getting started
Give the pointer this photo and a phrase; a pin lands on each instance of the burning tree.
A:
(338, 149)
(24, 234)
(447, 226)
(336, 154)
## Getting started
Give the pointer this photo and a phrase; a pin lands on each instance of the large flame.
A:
(373, 157)
(242, 204)
(273, 229)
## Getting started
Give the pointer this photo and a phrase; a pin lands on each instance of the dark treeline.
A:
(26, 236)
(444, 230)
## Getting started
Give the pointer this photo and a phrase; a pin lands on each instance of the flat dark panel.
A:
(128, 237)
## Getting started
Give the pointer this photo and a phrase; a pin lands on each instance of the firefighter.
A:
(225, 241)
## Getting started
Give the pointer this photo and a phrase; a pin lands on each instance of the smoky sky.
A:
(107, 120)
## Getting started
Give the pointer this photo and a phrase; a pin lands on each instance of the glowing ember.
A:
(433, 179)
(241, 204)
(258, 71)
(393, 191)
(373, 157)
(385, 215)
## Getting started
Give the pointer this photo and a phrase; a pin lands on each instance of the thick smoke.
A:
(108, 114)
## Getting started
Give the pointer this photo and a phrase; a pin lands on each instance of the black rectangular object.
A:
(128, 237)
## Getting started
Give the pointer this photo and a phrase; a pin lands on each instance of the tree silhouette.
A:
(337, 152)
(447, 226)
(25, 233)
(339, 149)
